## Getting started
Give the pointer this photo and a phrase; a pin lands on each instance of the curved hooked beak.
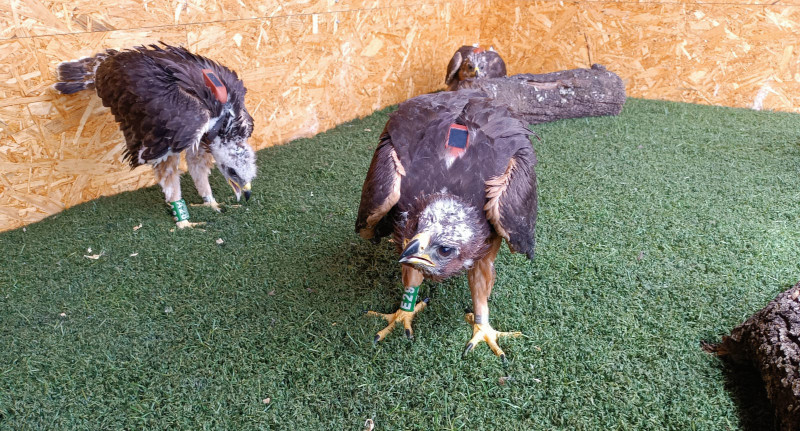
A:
(238, 190)
(414, 253)
(246, 189)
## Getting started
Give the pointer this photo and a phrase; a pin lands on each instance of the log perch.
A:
(770, 340)
(554, 96)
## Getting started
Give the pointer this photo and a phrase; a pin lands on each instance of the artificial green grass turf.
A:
(667, 225)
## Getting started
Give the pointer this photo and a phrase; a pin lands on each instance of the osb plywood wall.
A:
(312, 64)
(735, 53)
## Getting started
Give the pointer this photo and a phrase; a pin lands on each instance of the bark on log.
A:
(554, 96)
(770, 340)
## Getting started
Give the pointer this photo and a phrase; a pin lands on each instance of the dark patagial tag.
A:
(217, 87)
(457, 139)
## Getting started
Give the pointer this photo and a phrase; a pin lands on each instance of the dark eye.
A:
(445, 251)
(232, 173)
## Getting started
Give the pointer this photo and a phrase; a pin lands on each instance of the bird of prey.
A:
(473, 62)
(453, 175)
(167, 101)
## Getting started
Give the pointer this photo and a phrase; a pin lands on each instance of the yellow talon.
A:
(186, 223)
(211, 204)
(399, 316)
(485, 332)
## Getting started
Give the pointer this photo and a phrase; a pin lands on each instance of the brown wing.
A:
(511, 202)
(452, 67)
(158, 96)
(380, 192)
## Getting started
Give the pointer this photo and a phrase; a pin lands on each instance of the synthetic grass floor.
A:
(662, 227)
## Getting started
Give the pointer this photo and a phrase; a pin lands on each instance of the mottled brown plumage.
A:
(449, 213)
(164, 107)
(469, 62)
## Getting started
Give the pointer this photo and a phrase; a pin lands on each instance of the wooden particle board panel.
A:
(536, 36)
(639, 42)
(743, 56)
(23, 18)
(739, 54)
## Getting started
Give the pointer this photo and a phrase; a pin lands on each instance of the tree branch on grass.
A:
(554, 96)
(770, 340)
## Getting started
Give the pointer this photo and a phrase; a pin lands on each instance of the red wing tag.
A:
(477, 50)
(215, 85)
(457, 140)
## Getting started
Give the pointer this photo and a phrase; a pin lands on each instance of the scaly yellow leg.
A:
(411, 281)
(481, 279)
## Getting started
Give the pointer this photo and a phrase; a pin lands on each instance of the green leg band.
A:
(180, 211)
(409, 298)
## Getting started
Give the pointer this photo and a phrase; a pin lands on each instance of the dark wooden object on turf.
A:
(770, 340)
(554, 96)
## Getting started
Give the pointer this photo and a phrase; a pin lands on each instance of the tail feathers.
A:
(78, 75)
(72, 87)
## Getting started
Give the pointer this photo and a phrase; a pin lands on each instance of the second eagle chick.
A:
(167, 101)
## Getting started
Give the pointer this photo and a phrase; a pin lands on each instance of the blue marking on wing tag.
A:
(456, 142)
(214, 80)
(457, 138)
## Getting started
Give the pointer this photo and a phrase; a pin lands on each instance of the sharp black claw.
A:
(467, 310)
(503, 358)
(467, 350)
(409, 335)
(426, 300)
(377, 338)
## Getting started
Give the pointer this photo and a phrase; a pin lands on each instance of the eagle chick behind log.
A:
(472, 62)
(167, 101)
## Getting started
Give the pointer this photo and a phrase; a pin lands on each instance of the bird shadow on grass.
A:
(747, 390)
(369, 266)
(374, 279)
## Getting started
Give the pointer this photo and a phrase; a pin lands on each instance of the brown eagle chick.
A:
(453, 175)
(168, 101)
(470, 62)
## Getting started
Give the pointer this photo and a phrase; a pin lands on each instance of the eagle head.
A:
(446, 237)
(235, 158)
(474, 66)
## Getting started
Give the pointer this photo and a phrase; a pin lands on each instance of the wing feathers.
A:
(381, 190)
(452, 68)
(495, 187)
(511, 203)
(158, 96)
